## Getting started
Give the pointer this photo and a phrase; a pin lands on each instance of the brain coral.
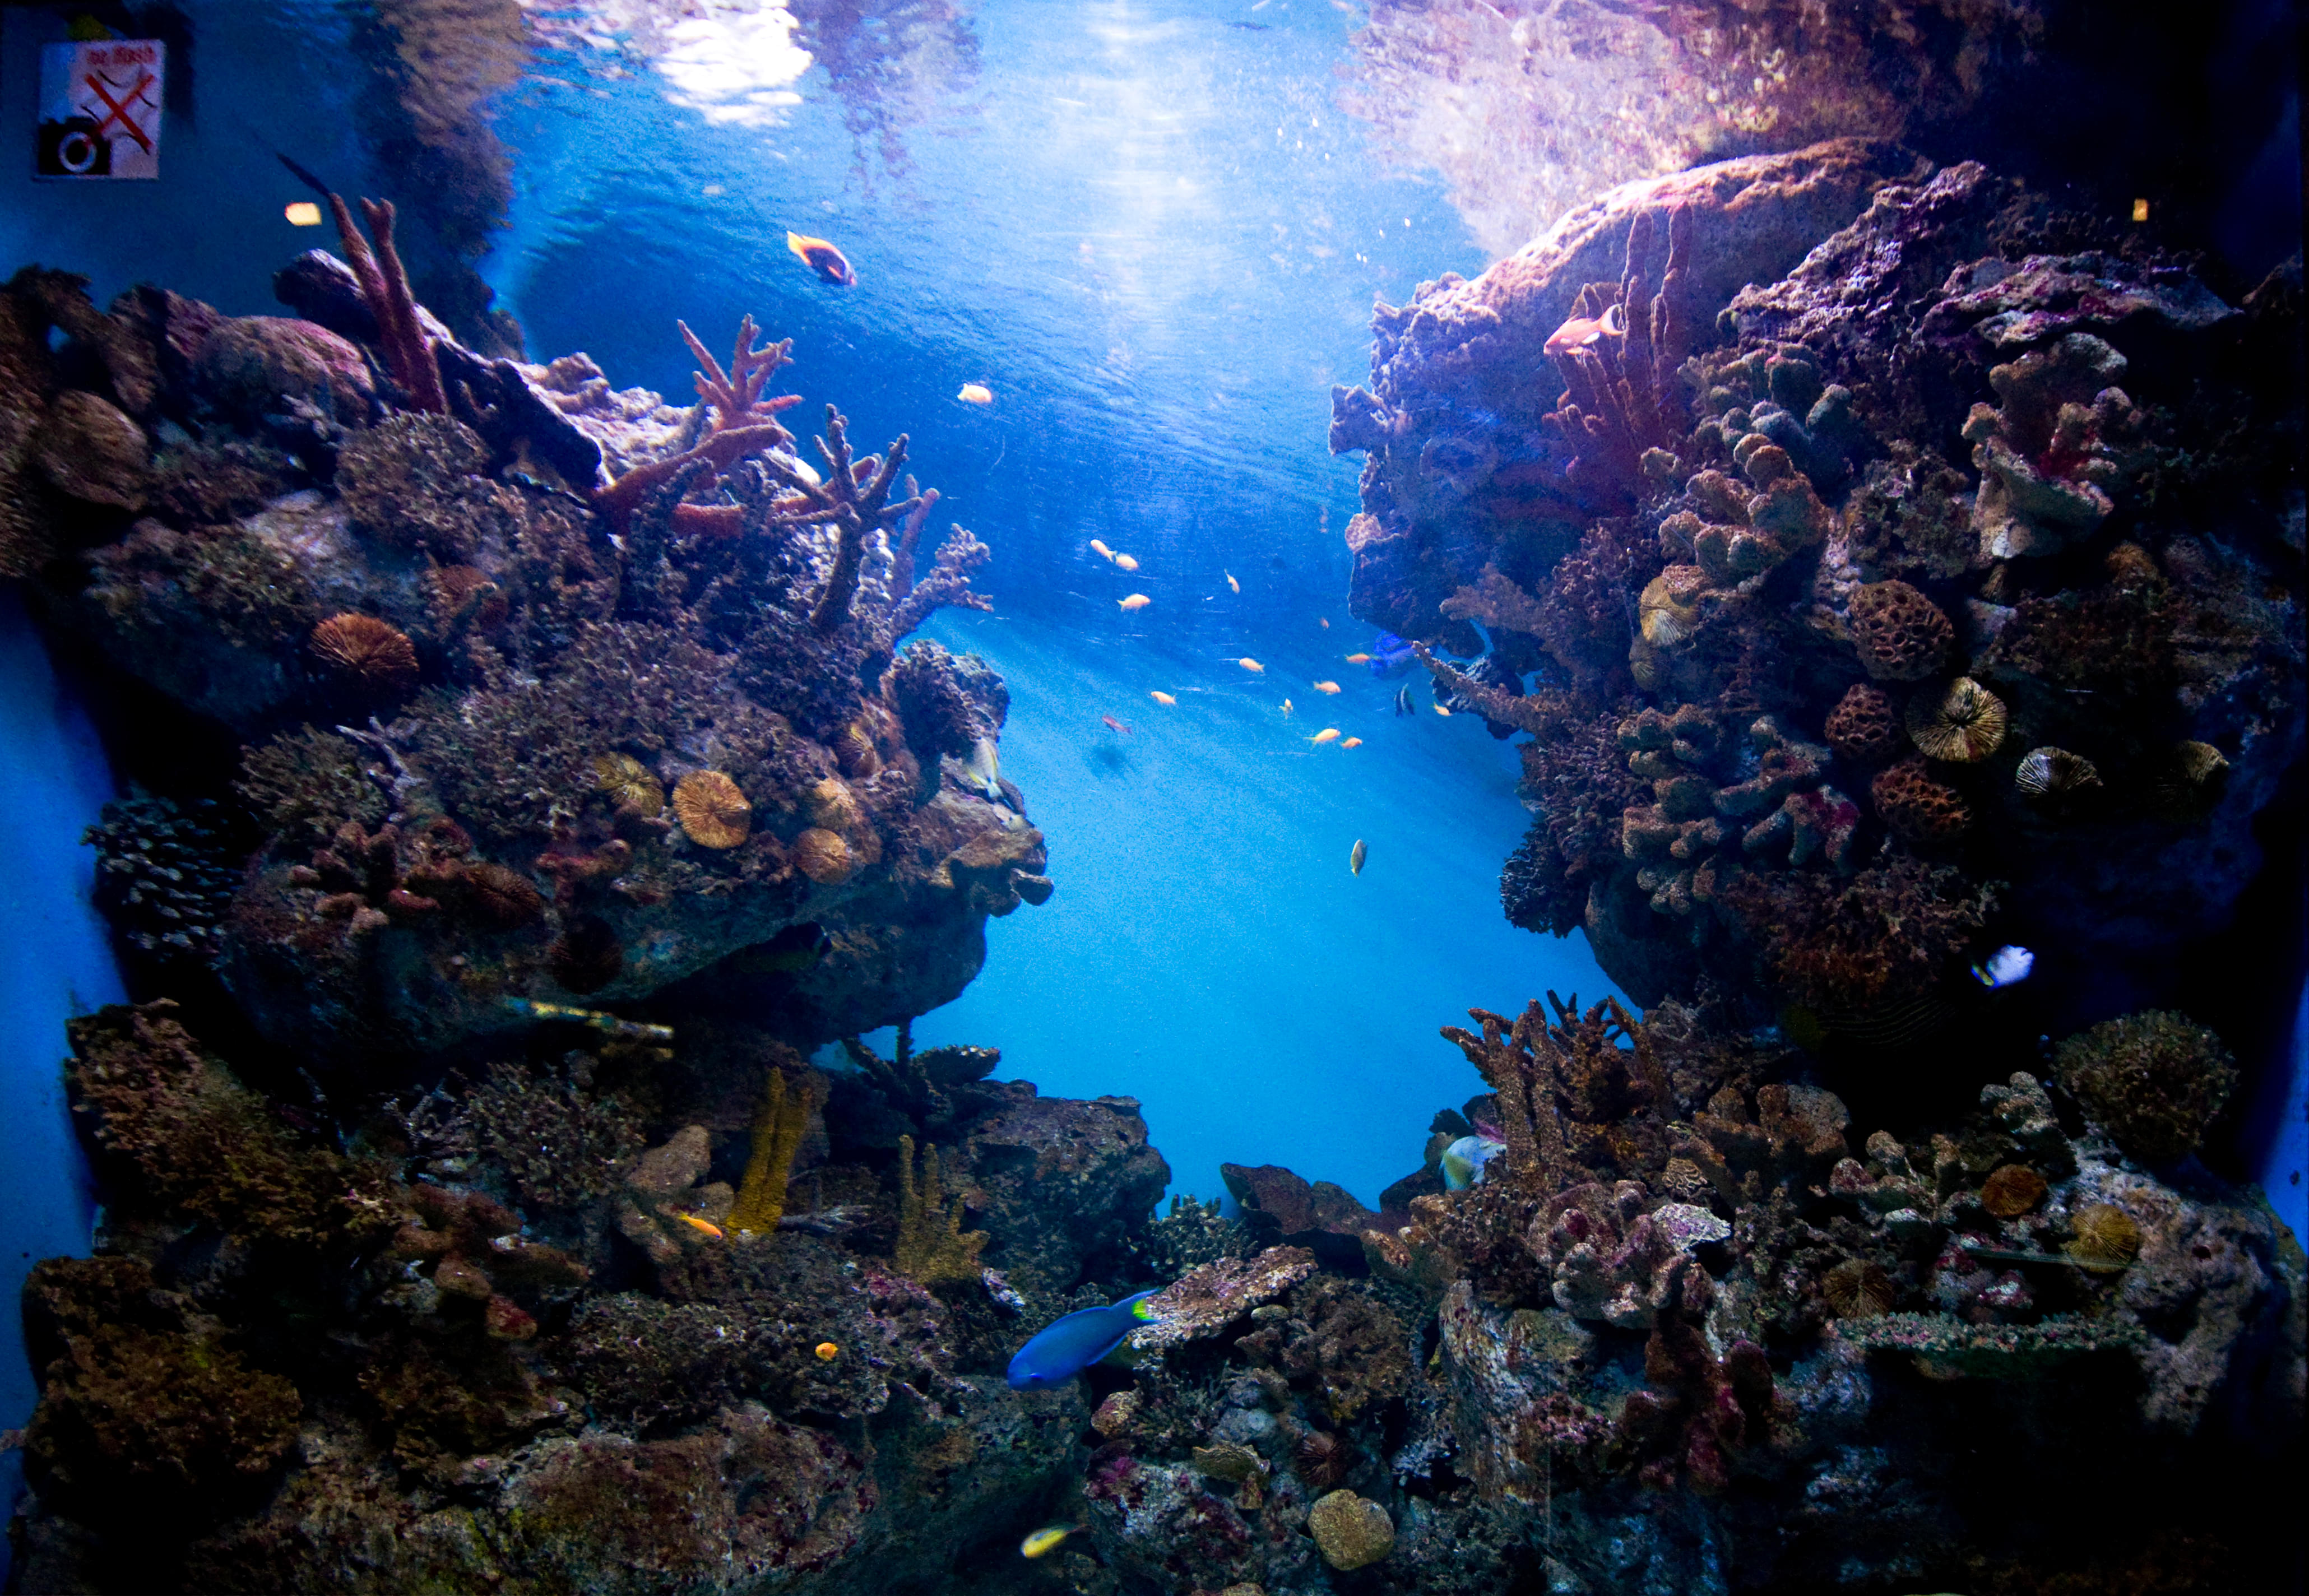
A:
(1916, 808)
(1902, 635)
(1864, 726)
(2153, 1081)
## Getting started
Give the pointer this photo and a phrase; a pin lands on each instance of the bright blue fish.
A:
(1068, 1346)
(1390, 656)
(2004, 967)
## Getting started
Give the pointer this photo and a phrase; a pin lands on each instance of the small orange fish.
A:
(830, 264)
(1353, 742)
(1329, 734)
(1136, 601)
(1326, 686)
(1100, 549)
(1164, 699)
(1252, 665)
(1323, 621)
(1232, 585)
(1582, 332)
(977, 393)
(1358, 658)
(1114, 725)
(703, 1227)
(1126, 563)
(1442, 711)
(826, 1351)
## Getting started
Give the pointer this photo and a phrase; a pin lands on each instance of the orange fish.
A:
(1124, 562)
(1114, 725)
(1582, 332)
(1442, 711)
(1163, 699)
(830, 264)
(827, 1351)
(1326, 686)
(703, 1227)
(1252, 665)
(1136, 601)
(1353, 742)
(1358, 658)
(1323, 621)
(1329, 734)
(1100, 549)
(977, 393)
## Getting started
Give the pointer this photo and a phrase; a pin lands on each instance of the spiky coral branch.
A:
(384, 284)
(1518, 1066)
(931, 1244)
(1620, 377)
(736, 394)
(1543, 714)
(617, 503)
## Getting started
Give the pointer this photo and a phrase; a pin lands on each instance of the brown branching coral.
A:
(558, 1141)
(931, 1244)
(384, 285)
(196, 1141)
(779, 1127)
(1541, 714)
(1531, 1062)
(1618, 354)
(480, 1254)
(736, 394)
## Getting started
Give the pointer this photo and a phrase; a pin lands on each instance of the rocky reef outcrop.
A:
(1885, 563)
(543, 692)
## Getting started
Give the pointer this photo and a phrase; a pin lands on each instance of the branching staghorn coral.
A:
(736, 394)
(779, 1127)
(1529, 1061)
(931, 1244)
(1618, 354)
(384, 284)
(1543, 714)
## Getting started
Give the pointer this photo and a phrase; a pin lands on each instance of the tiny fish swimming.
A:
(1164, 699)
(1356, 855)
(1123, 561)
(977, 393)
(1136, 601)
(2007, 966)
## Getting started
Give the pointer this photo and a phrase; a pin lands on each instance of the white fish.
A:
(984, 769)
(2005, 967)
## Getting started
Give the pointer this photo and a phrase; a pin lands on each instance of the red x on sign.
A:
(118, 110)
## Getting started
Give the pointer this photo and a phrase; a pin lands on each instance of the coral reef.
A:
(2151, 1081)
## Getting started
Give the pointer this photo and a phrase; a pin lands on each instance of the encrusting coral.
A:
(2153, 1081)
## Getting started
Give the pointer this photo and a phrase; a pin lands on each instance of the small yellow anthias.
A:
(827, 1351)
(1043, 1542)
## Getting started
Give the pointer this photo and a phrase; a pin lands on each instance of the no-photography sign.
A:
(101, 109)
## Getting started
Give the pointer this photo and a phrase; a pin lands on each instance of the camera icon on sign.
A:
(74, 148)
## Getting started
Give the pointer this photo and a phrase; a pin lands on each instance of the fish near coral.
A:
(984, 772)
(1326, 686)
(1135, 602)
(1164, 699)
(1359, 659)
(826, 1351)
(1041, 1543)
(2007, 966)
(1582, 332)
(1403, 705)
(830, 264)
(975, 393)
(1329, 734)
(1462, 1162)
(705, 1228)
(1356, 855)
(1069, 1345)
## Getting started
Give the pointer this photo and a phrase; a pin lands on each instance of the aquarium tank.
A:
(1152, 797)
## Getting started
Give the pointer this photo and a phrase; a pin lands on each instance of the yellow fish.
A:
(1100, 549)
(1355, 857)
(1164, 699)
(826, 1351)
(1442, 711)
(1136, 601)
(702, 1226)
(1126, 563)
(1043, 1542)
(1251, 665)
(1326, 686)
(1232, 585)
(302, 213)
(1358, 658)
(1353, 742)
(977, 393)
(1329, 734)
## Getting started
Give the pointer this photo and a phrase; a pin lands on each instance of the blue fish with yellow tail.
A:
(1068, 1346)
